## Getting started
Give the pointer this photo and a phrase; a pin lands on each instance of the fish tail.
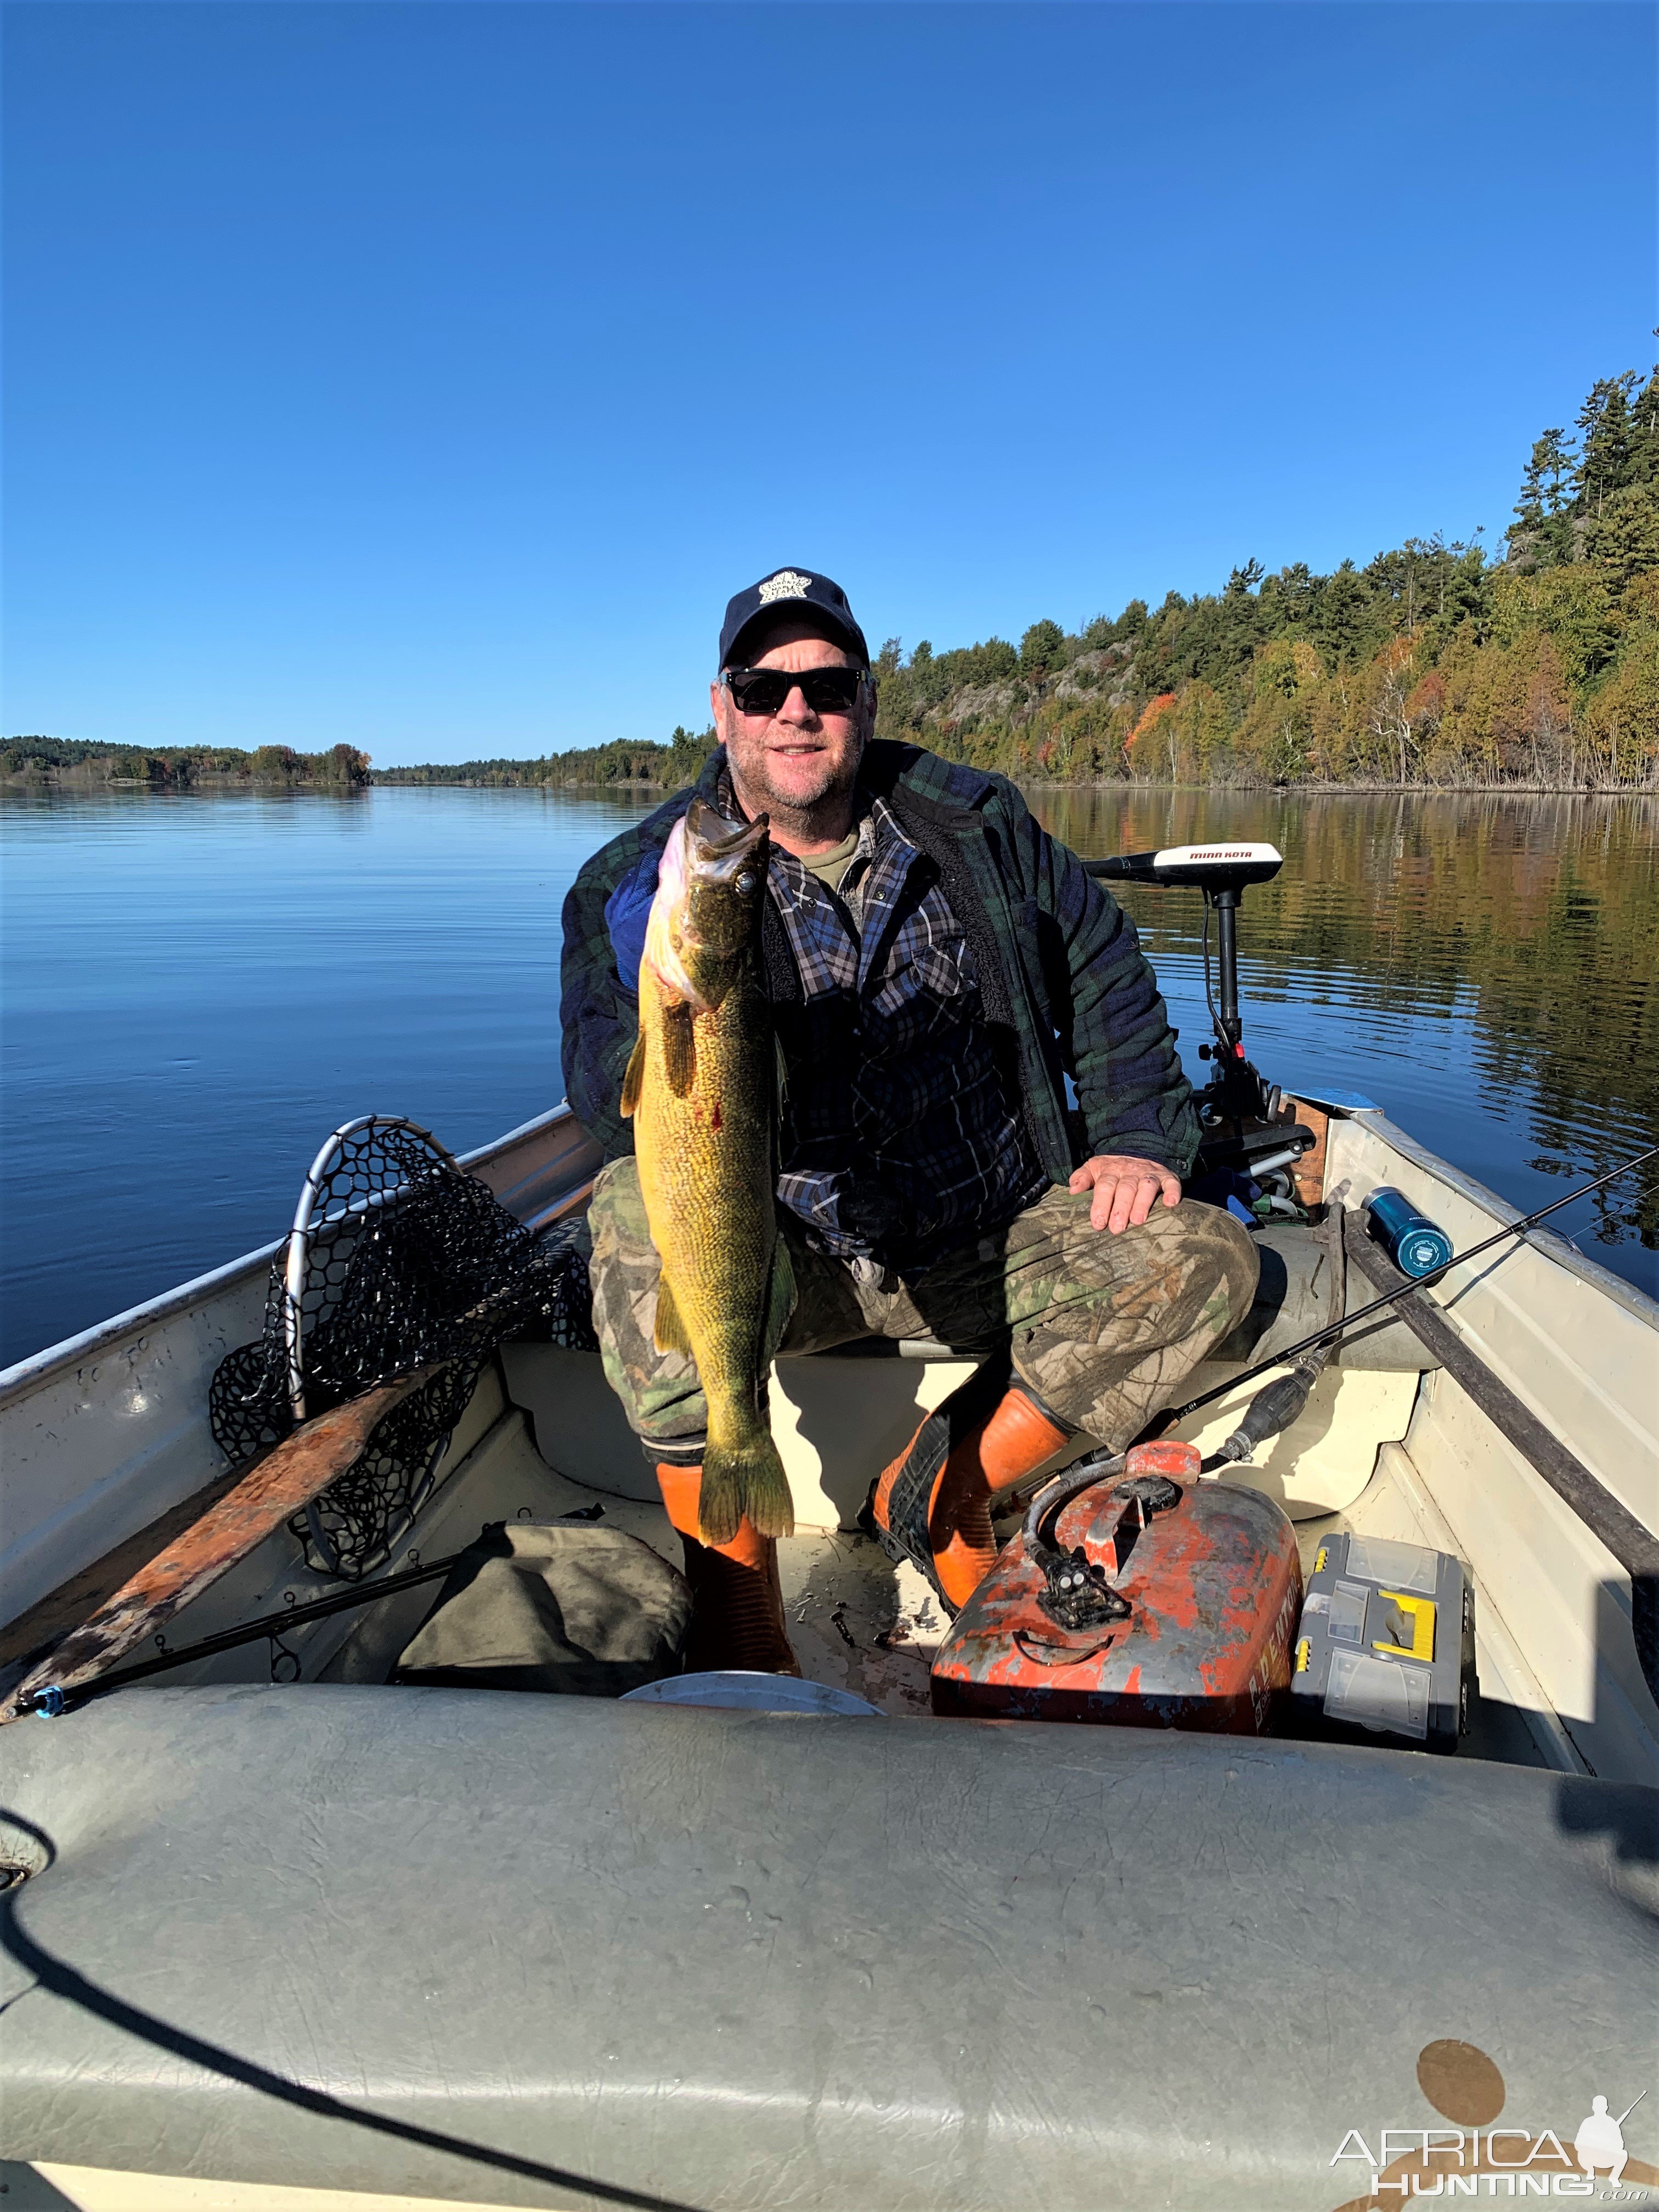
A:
(743, 1478)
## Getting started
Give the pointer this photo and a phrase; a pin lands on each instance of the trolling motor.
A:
(1247, 1148)
(1238, 1100)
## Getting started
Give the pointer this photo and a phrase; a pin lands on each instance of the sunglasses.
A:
(764, 690)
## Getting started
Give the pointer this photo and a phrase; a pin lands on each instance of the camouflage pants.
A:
(1104, 1328)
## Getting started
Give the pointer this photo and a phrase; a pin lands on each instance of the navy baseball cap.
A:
(788, 591)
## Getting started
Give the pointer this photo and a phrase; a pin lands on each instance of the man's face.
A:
(790, 763)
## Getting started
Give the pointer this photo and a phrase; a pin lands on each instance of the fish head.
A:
(725, 867)
(710, 882)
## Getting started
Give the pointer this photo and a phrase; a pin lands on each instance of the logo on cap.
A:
(786, 585)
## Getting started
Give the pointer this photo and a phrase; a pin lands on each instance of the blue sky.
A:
(426, 376)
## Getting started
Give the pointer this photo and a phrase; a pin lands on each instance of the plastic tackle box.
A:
(1385, 1649)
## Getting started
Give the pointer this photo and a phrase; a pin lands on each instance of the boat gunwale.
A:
(21, 1378)
(1548, 1244)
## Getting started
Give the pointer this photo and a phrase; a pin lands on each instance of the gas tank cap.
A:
(1150, 1473)
(1154, 1493)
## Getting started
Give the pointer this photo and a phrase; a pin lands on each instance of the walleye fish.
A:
(700, 1088)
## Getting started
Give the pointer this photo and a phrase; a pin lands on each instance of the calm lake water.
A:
(198, 987)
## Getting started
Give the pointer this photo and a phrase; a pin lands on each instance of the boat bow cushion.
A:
(562, 1952)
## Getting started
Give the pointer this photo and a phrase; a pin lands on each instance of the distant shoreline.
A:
(390, 779)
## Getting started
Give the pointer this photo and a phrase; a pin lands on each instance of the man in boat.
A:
(937, 966)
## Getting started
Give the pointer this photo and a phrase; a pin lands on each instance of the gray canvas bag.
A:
(552, 1605)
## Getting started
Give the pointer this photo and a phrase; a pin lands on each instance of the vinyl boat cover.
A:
(554, 1951)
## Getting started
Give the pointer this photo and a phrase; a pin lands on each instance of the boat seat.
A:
(838, 1417)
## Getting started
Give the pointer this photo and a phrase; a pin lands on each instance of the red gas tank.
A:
(1134, 1593)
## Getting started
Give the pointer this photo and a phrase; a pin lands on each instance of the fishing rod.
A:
(1333, 1329)
(51, 1701)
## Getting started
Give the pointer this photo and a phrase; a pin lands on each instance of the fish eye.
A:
(744, 885)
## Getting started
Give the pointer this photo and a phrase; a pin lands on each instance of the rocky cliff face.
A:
(1108, 673)
(1101, 678)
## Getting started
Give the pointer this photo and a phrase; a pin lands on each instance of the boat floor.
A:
(856, 1621)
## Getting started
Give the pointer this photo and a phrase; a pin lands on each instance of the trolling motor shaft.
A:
(1238, 1091)
(1229, 1028)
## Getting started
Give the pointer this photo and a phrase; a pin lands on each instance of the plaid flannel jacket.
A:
(1064, 986)
(900, 1131)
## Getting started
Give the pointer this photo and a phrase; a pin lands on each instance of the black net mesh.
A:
(408, 1263)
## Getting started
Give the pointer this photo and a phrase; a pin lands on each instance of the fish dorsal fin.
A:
(679, 1046)
(634, 1076)
(670, 1331)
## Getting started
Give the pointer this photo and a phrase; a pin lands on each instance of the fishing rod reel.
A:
(1238, 1109)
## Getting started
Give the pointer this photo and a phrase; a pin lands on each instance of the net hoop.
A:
(398, 1260)
(297, 1260)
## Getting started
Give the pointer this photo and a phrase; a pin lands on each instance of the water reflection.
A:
(1484, 966)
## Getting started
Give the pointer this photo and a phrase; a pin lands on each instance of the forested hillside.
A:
(1429, 664)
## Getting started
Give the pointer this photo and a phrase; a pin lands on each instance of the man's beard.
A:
(836, 782)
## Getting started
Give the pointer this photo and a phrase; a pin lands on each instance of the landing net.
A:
(396, 1260)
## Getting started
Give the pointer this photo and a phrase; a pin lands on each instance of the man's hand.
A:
(1125, 1189)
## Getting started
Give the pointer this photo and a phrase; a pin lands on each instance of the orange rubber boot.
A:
(737, 1617)
(933, 1505)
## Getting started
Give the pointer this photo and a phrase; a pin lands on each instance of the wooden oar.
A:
(317, 1453)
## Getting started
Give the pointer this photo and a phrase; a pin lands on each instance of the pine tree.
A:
(1542, 530)
(1341, 615)
(1644, 434)
(1604, 456)
(1623, 539)
(1040, 647)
